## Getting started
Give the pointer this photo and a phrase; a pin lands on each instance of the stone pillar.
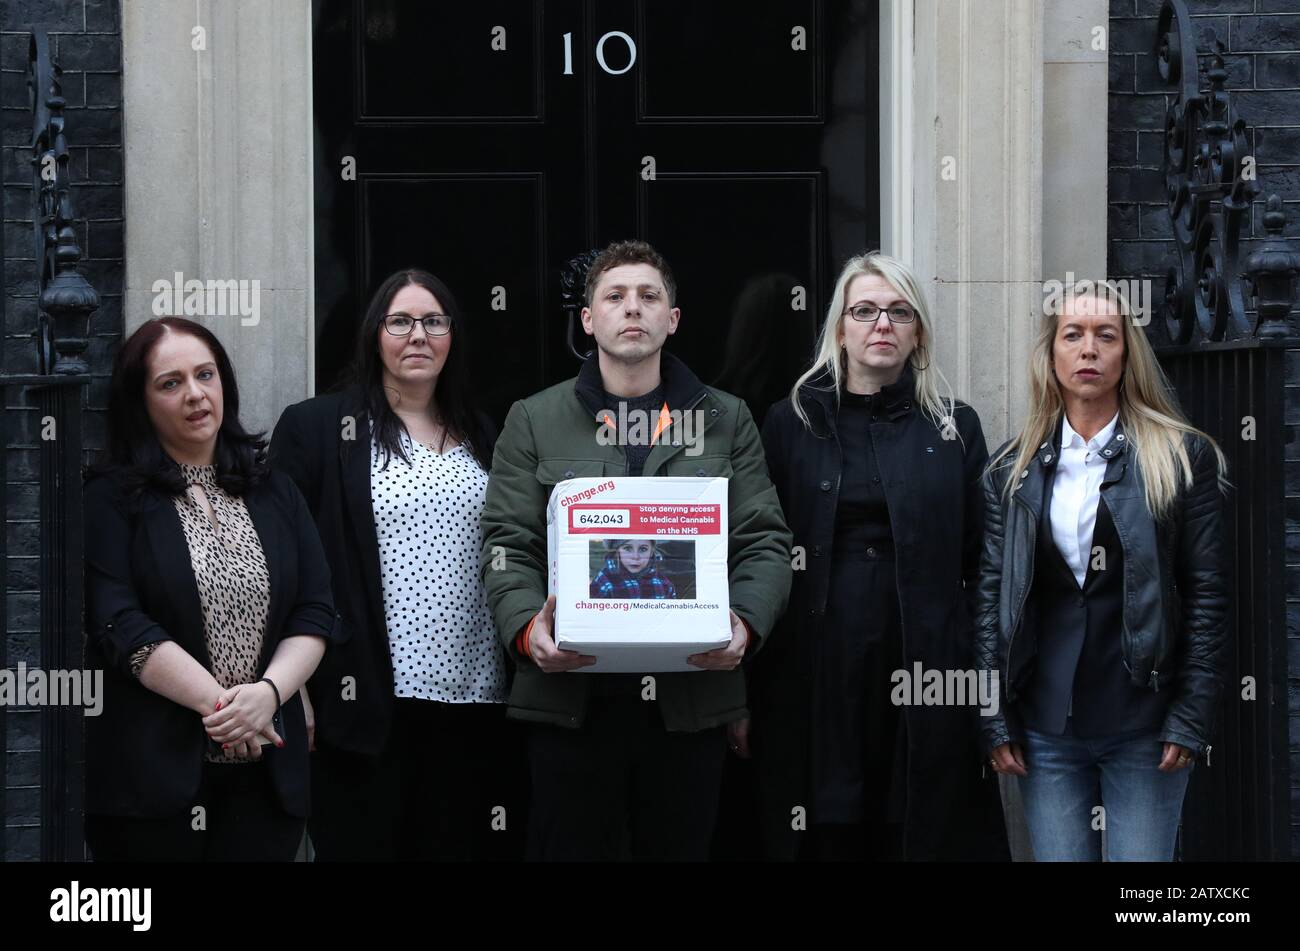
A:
(1075, 120)
(219, 176)
(975, 183)
(968, 141)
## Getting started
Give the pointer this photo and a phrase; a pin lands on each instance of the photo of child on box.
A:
(631, 568)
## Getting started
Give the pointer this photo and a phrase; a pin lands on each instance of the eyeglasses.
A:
(897, 314)
(401, 325)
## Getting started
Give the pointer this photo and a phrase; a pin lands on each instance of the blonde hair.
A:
(928, 377)
(1151, 420)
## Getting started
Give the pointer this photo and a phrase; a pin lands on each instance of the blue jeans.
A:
(1070, 776)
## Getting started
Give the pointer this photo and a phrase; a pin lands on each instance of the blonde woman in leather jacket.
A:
(1102, 600)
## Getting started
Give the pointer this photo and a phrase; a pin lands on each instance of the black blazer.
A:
(1077, 632)
(144, 753)
(323, 444)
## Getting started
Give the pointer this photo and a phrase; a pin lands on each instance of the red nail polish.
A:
(218, 704)
(225, 746)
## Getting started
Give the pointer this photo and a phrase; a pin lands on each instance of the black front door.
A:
(491, 141)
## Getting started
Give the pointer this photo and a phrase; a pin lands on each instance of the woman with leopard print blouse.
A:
(208, 606)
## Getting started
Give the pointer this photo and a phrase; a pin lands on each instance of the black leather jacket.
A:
(1175, 594)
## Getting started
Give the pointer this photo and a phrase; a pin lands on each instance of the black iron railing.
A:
(64, 304)
(1211, 179)
(1227, 322)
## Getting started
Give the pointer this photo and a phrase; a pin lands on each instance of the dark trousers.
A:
(241, 821)
(449, 785)
(623, 787)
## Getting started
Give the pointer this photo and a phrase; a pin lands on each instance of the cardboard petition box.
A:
(638, 567)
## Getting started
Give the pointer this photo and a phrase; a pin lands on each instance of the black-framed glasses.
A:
(897, 313)
(401, 325)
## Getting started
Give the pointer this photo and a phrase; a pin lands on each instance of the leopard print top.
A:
(233, 581)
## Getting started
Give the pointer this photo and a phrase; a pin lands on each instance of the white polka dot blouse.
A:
(441, 636)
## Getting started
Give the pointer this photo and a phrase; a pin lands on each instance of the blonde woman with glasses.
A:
(878, 475)
(1102, 601)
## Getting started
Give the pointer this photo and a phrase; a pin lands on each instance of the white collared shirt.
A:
(1075, 494)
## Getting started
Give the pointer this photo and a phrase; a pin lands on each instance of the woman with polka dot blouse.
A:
(414, 758)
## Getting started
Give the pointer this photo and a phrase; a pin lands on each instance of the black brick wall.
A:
(85, 39)
(1263, 60)
(1262, 38)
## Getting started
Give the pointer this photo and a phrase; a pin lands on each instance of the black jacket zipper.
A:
(1029, 583)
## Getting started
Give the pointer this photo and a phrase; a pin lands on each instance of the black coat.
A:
(1174, 635)
(144, 753)
(932, 488)
(323, 444)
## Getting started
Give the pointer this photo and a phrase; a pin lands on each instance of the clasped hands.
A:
(241, 717)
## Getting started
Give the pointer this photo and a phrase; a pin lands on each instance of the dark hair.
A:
(136, 457)
(630, 252)
(614, 544)
(452, 391)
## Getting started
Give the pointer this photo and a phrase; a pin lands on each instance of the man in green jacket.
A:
(626, 765)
